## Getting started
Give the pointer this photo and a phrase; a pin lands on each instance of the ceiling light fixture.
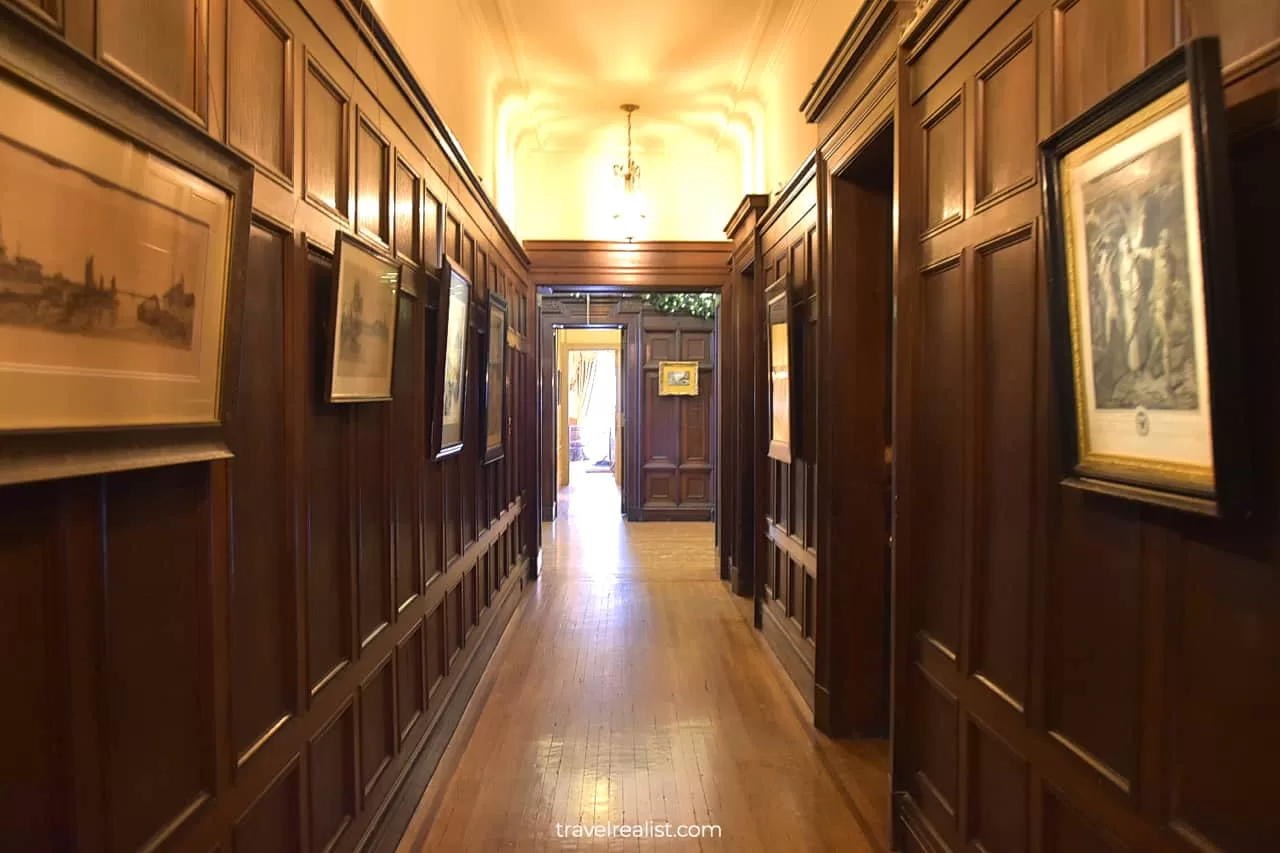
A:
(630, 213)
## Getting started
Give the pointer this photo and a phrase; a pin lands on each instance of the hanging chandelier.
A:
(629, 214)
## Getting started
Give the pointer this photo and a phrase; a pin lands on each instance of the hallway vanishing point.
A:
(631, 689)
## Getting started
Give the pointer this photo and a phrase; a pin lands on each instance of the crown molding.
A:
(872, 21)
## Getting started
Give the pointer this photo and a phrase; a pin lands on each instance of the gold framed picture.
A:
(495, 381)
(453, 322)
(123, 237)
(677, 378)
(363, 343)
(1145, 318)
(784, 356)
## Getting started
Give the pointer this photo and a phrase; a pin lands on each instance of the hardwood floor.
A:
(631, 689)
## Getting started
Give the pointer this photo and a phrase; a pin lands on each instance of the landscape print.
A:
(364, 348)
(86, 265)
(1140, 304)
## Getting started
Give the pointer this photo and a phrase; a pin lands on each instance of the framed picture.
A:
(451, 358)
(1144, 297)
(363, 344)
(123, 236)
(678, 378)
(784, 357)
(495, 381)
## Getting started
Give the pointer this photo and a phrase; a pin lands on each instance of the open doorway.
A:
(589, 420)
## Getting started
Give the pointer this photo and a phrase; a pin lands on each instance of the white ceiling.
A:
(685, 62)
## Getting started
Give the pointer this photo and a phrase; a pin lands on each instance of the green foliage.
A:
(701, 305)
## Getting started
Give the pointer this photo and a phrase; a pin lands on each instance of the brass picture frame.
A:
(495, 381)
(453, 325)
(362, 344)
(123, 242)
(782, 347)
(678, 378)
(1146, 323)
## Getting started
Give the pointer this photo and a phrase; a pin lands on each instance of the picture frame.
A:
(362, 340)
(495, 380)
(1145, 317)
(453, 318)
(784, 357)
(125, 235)
(677, 378)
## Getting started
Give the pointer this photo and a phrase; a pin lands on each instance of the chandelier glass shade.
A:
(629, 210)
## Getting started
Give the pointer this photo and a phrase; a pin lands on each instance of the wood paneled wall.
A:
(740, 518)
(789, 585)
(676, 435)
(1070, 673)
(268, 654)
(1074, 673)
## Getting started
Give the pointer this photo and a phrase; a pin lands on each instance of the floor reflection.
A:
(631, 690)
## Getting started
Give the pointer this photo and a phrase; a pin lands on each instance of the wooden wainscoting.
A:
(267, 654)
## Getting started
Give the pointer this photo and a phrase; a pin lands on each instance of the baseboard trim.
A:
(784, 649)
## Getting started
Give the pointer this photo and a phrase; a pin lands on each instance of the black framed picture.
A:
(782, 346)
(363, 344)
(495, 381)
(1145, 316)
(123, 241)
(453, 317)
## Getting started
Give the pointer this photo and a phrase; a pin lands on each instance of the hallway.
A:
(631, 689)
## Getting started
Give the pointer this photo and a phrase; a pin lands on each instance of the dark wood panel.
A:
(935, 733)
(1092, 665)
(31, 787)
(1065, 831)
(944, 170)
(371, 465)
(1008, 285)
(329, 557)
(156, 666)
(260, 86)
(999, 802)
(372, 157)
(324, 138)
(1006, 124)
(657, 265)
(940, 501)
(263, 625)
(378, 736)
(332, 783)
(273, 824)
(1225, 726)
(408, 218)
(164, 46)
(408, 450)
(1098, 49)
(411, 684)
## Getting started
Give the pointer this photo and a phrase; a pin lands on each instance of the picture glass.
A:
(455, 344)
(495, 376)
(113, 277)
(364, 347)
(779, 383)
(1137, 294)
(680, 378)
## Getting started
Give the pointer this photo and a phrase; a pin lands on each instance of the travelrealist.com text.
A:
(648, 829)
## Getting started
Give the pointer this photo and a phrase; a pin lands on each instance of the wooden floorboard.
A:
(631, 689)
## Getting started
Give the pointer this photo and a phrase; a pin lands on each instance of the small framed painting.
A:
(784, 356)
(678, 378)
(363, 344)
(123, 241)
(1145, 310)
(495, 381)
(451, 358)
